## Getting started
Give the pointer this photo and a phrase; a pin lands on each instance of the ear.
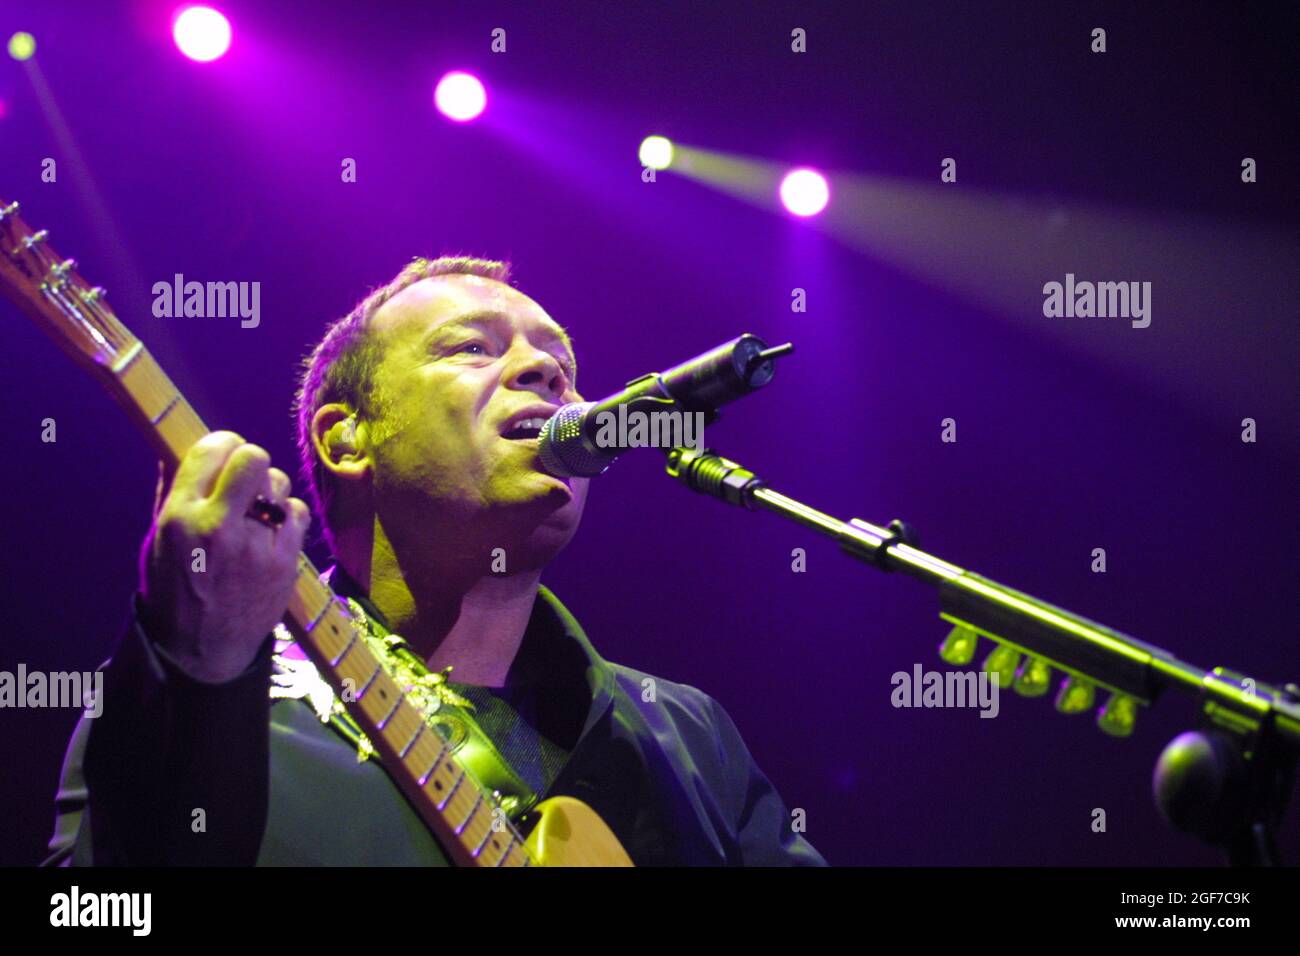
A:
(340, 441)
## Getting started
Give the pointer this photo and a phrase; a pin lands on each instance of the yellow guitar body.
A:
(570, 833)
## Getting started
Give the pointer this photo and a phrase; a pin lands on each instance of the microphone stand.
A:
(1227, 783)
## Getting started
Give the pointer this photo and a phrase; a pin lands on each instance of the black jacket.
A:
(175, 771)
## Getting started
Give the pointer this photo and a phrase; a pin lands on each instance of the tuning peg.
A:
(1075, 696)
(57, 280)
(1033, 677)
(35, 239)
(1003, 662)
(1118, 716)
(959, 646)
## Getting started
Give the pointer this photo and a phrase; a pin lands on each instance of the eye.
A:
(470, 345)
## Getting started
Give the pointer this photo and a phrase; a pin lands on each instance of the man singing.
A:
(417, 419)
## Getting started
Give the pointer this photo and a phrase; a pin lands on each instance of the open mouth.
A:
(527, 430)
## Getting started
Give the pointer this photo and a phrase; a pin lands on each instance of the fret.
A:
(452, 792)
(419, 731)
(357, 669)
(376, 701)
(397, 702)
(329, 636)
(403, 725)
(379, 669)
(476, 832)
(444, 751)
(510, 845)
(351, 643)
(316, 620)
(166, 410)
(182, 428)
(484, 842)
(470, 816)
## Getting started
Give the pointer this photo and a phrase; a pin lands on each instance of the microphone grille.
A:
(563, 450)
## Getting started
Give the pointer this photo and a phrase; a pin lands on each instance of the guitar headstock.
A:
(50, 290)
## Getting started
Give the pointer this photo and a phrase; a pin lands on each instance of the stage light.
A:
(656, 152)
(804, 192)
(460, 96)
(201, 33)
(22, 45)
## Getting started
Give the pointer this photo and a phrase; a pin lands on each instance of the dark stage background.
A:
(924, 303)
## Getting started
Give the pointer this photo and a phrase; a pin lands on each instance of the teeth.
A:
(527, 425)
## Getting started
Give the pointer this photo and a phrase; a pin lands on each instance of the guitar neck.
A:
(461, 816)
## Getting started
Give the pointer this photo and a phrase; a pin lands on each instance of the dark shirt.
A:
(175, 771)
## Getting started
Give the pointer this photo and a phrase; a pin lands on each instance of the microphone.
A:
(568, 443)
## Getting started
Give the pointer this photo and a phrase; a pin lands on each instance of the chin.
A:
(540, 498)
(563, 503)
(543, 484)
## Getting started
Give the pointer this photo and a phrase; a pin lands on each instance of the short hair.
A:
(342, 365)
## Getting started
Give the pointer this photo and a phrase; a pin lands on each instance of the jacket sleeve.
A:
(764, 827)
(172, 771)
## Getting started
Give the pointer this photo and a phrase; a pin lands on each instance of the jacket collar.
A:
(554, 640)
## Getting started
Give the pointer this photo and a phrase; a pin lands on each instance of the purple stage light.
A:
(805, 192)
(201, 33)
(460, 97)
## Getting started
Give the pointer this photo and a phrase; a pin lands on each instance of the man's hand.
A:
(213, 621)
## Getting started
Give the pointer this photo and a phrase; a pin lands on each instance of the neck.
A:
(446, 602)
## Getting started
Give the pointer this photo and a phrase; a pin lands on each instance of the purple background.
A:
(1073, 433)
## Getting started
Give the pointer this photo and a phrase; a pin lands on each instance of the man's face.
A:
(465, 357)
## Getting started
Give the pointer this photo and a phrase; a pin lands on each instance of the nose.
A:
(541, 373)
